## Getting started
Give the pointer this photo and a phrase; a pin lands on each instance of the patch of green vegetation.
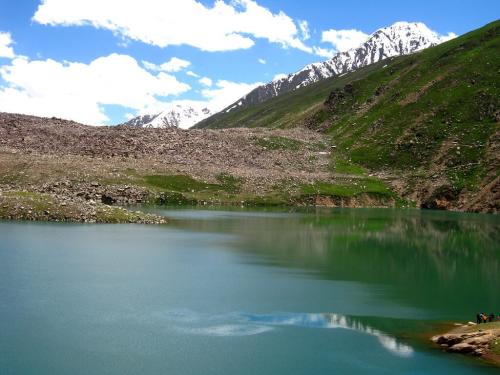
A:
(180, 183)
(112, 215)
(348, 188)
(229, 183)
(182, 189)
(339, 165)
(484, 326)
(23, 194)
(275, 142)
(495, 346)
(130, 172)
(35, 201)
(169, 198)
(270, 200)
(318, 146)
(10, 178)
(404, 203)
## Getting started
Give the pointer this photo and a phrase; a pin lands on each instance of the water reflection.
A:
(441, 261)
(245, 324)
(331, 321)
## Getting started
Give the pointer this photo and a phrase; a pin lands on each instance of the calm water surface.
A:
(242, 292)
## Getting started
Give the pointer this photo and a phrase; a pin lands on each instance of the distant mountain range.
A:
(401, 38)
(180, 115)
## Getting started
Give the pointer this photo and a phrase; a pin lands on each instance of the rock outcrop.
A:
(470, 340)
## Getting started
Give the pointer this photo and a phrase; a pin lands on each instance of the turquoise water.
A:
(245, 292)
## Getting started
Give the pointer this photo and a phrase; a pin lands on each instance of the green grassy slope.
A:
(432, 118)
(286, 110)
(442, 103)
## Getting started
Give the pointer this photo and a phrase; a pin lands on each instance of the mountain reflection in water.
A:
(432, 260)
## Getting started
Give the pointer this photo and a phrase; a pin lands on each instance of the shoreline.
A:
(474, 340)
(126, 205)
(33, 206)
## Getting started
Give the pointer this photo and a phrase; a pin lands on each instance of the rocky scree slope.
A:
(60, 170)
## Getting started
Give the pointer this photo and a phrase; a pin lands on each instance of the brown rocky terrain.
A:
(53, 169)
(89, 168)
(477, 340)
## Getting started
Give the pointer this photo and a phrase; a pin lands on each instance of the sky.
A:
(106, 61)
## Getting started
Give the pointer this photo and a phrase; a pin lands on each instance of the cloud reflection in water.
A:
(244, 324)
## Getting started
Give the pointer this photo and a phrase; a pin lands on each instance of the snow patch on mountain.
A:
(401, 38)
(178, 115)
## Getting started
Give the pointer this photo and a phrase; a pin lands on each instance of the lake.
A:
(341, 291)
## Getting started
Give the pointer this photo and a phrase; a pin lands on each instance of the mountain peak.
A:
(400, 38)
(176, 115)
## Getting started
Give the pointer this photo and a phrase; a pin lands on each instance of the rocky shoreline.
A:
(56, 207)
(474, 340)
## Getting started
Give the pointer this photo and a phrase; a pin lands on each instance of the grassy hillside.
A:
(430, 120)
(286, 110)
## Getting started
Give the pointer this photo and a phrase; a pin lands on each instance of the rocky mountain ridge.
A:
(401, 38)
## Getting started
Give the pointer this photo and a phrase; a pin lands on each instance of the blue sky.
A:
(103, 61)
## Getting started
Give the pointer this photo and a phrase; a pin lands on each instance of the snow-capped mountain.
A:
(178, 115)
(401, 38)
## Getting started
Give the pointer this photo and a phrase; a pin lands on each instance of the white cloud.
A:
(192, 74)
(150, 66)
(449, 36)
(6, 49)
(343, 40)
(262, 61)
(78, 91)
(304, 30)
(221, 27)
(226, 92)
(171, 66)
(174, 65)
(222, 95)
(324, 52)
(205, 81)
(279, 76)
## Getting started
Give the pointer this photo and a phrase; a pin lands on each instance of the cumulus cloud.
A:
(205, 81)
(226, 92)
(192, 74)
(343, 40)
(6, 42)
(79, 91)
(324, 52)
(221, 27)
(174, 65)
(223, 94)
(262, 61)
(304, 30)
(171, 66)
